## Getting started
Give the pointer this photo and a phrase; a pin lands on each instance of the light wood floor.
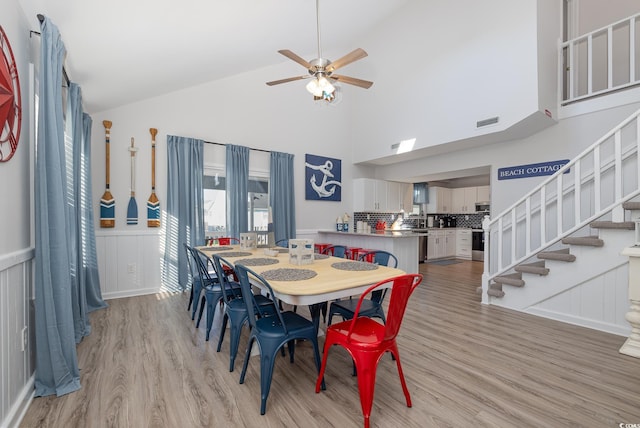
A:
(466, 365)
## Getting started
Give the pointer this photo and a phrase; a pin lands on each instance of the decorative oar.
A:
(132, 209)
(107, 203)
(153, 205)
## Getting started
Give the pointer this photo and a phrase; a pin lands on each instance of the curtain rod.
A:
(250, 148)
(64, 71)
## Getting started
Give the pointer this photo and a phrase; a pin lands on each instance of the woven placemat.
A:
(287, 274)
(237, 254)
(354, 266)
(259, 261)
(320, 256)
(213, 249)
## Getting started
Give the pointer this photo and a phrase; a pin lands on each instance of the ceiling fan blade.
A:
(347, 59)
(352, 81)
(290, 79)
(295, 58)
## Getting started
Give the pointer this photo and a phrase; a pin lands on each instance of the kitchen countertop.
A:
(407, 233)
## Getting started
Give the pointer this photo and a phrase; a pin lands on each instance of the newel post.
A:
(631, 346)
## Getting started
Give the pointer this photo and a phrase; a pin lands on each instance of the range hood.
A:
(420, 193)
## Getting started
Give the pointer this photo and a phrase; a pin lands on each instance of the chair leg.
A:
(190, 299)
(407, 396)
(236, 328)
(325, 354)
(225, 319)
(366, 364)
(247, 355)
(266, 373)
(202, 305)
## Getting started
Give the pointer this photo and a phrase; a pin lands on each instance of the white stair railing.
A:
(601, 61)
(591, 185)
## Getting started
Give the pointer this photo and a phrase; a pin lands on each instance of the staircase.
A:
(568, 230)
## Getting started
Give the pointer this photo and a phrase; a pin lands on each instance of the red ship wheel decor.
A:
(10, 108)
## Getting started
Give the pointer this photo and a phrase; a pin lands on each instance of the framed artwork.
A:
(323, 178)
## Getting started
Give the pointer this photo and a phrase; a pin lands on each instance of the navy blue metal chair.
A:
(196, 285)
(370, 307)
(272, 333)
(211, 287)
(235, 309)
(284, 243)
(336, 251)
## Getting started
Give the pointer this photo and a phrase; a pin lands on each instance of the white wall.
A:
(474, 59)
(16, 251)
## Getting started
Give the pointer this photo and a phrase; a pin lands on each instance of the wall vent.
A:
(486, 122)
(395, 146)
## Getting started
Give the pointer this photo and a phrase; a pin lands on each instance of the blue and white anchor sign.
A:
(323, 178)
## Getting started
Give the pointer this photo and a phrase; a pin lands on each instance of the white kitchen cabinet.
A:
(463, 200)
(369, 195)
(380, 195)
(463, 244)
(441, 243)
(482, 194)
(449, 243)
(439, 200)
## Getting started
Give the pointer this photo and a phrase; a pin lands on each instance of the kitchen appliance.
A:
(449, 221)
(477, 245)
(420, 193)
(430, 221)
(422, 248)
(482, 207)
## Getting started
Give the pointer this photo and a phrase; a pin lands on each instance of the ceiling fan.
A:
(321, 70)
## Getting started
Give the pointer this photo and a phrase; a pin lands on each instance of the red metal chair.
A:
(228, 240)
(367, 340)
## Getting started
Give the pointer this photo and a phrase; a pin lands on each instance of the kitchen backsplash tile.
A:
(372, 218)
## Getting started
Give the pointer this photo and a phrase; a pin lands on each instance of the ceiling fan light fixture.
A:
(320, 86)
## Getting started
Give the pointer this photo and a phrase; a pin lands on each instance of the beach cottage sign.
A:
(532, 170)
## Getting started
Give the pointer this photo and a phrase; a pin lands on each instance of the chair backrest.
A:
(202, 261)
(382, 258)
(223, 276)
(190, 263)
(228, 240)
(401, 290)
(284, 243)
(243, 273)
(336, 251)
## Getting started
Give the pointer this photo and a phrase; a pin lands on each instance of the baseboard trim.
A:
(582, 322)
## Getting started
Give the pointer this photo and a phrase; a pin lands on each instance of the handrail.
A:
(568, 52)
(516, 228)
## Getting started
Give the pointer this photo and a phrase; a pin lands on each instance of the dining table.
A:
(327, 278)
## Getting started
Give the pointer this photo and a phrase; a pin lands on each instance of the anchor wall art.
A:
(323, 178)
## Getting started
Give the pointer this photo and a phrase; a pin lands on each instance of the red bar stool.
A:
(320, 247)
(354, 252)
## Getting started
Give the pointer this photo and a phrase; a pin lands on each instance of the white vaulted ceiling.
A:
(122, 51)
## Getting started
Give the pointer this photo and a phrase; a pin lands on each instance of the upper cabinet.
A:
(483, 194)
(456, 201)
(380, 195)
(439, 200)
(463, 200)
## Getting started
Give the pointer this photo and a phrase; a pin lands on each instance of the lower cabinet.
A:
(441, 244)
(463, 244)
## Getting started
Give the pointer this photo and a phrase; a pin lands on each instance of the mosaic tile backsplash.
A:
(462, 220)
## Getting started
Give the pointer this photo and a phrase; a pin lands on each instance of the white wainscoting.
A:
(16, 320)
(129, 262)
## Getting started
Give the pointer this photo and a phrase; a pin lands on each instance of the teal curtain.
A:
(56, 359)
(237, 189)
(282, 196)
(85, 291)
(185, 212)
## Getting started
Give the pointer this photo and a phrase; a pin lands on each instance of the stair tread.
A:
(535, 268)
(560, 255)
(495, 290)
(631, 205)
(592, 241)
(605, 224)
(514, 279)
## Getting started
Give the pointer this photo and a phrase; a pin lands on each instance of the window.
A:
(215, 218)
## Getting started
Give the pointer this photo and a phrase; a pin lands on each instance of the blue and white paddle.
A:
(132, 209)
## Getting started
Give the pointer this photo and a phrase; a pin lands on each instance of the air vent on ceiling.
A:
(486, 122)
(395, 146)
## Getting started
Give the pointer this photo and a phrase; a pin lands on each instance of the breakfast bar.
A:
(401, 243)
